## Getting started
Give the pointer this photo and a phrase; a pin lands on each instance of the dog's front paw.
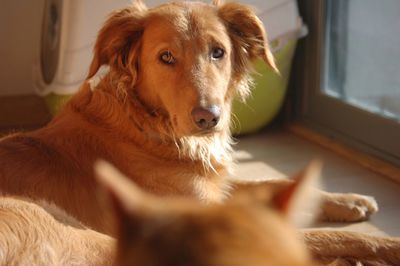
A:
(347, 207)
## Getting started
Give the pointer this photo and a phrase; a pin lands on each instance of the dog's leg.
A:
(335, 207)
(352, 247)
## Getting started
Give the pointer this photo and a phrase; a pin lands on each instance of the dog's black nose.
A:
(206, 118)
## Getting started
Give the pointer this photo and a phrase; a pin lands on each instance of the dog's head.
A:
(250, 229)
(184, 60)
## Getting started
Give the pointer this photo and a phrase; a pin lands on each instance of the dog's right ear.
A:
(119, 35)
(247, 34)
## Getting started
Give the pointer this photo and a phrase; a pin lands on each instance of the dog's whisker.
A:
(236, 122)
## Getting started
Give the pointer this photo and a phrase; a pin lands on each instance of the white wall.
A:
(20, 26)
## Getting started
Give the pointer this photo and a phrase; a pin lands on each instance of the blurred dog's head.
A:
(250, 229)
(184, 61)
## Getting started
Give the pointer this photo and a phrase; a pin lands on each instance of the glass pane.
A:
(362, 56)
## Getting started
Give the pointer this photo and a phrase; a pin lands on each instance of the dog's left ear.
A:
(247, 34)
(118, 37)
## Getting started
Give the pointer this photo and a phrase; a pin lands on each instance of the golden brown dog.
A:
(161, 114)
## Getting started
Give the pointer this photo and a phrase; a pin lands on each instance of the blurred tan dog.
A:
(253, 228)
(250, 229)
(179, 231)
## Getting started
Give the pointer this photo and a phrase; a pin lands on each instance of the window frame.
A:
(363, 130)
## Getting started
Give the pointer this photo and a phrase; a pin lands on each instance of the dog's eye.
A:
(167, 58)
(217, 53)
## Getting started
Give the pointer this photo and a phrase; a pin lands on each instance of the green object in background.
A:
(267, 95)
(261, 106)
(55, 102)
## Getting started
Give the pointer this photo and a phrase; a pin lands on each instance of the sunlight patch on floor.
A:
(254, 169)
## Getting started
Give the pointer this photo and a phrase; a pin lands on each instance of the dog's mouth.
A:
(205, 132)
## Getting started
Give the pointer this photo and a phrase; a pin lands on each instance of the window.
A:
(362, 54)
(349, 73)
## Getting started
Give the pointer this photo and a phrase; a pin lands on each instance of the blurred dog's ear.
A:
(300, 200)
(127, 199)
(118, 40)
(131, 207)
(247, 34)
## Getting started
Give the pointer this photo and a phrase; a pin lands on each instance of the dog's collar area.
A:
(140, 107)
(141, 104)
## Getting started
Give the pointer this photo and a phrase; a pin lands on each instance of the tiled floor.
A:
(277, 154)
